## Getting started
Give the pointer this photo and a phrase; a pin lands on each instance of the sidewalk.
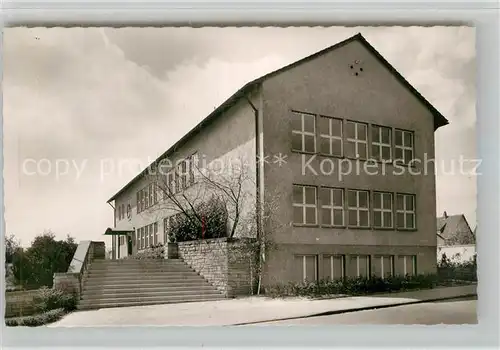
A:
(248, 310)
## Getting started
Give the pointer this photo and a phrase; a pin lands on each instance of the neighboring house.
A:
(454, 230)
(335, 108)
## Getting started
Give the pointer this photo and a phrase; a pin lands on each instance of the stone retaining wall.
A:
(221, 262)
(20, 303)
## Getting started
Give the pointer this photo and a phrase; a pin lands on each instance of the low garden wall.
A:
(20, 303)
(222, 262)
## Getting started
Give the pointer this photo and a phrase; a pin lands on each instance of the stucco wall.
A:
(220, 262)
(327, 86)
(230, 137)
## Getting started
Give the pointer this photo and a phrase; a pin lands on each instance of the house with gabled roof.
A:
(454, 230)
(330, 116)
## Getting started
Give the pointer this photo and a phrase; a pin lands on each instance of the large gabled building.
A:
(322, 115)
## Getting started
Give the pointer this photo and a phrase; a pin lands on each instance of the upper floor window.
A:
(382, 210)
(403, 146)
(358, 208)
(330, 136)
(381, 143)
(193, 166)
(304, 205)
(303, 132)
(332, 206)
(405, 211)
(356, 145)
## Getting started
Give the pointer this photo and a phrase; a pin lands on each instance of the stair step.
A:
(90, 306)
(152, 289)
(143, 279)
(154, 299)
(141, 284)
(140, 268)
(138, 274)
(144, 294)
(137, 262)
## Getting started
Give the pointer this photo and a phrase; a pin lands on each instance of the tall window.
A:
(381, 143)
(166, 228)
(304, 205)
(358, 208)
(403, 146)
(382, 210)
(330, 136)
(333, 267)
(146, 234)
(151, 234)
(306, 268)
(383, 266)
(356, 145)
(359, 266)
(408, 265)
(332, 206)
(303, 132)
(143, 238)
(405, 211)
(138, 205)
(193, 166)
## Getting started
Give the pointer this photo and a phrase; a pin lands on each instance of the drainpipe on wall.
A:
(258, 187)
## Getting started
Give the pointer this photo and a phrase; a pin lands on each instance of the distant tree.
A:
(11, 247)
(34, 267)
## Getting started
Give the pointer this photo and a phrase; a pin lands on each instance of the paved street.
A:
(462, 311)
(247, 310)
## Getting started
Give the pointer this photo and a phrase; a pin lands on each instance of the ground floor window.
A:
(359, 266)
(383, 266)
(407, 265)
(306, 268)
(333, 267)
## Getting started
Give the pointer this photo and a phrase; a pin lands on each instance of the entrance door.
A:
(129, 245)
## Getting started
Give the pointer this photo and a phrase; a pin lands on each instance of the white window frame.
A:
(358, 208)
(332, 267)
(304, 266)
(304, 133)
(381, 210)
(405, 211)
(143, 237)
(367, 265)
(356, 140)
(330, 137)
(381, 145)
(330, 206)
(413, 262)
(402, 146)
(193, 165)
(303, 205)
(382, 268)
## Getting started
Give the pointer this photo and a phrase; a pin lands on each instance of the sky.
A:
(86, 108)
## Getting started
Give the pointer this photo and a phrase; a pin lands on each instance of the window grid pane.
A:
(404, 146)
(356, 140)
(303, 137)
(333, 207)
(406, 211)
(358, 207)
(381, 143)
(382, 209)
(305, 206)
(331, 136)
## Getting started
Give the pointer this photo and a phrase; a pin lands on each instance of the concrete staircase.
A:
(116, 283)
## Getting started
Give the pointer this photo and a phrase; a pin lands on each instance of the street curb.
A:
(364, 308)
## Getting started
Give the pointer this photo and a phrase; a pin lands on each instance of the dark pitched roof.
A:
(447, 227)
(439, 119)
